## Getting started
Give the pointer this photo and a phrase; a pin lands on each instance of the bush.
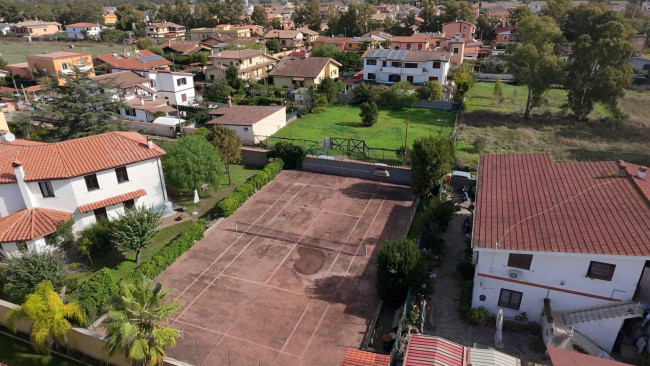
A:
(479, 315)
(96, 239)
(94, 294)
(260, 101)
(22, 274)
(63, 236)
(537, 344)
(433, 242)
(439, 212)
(398, 268)
(369, 113)
(432, 158)
(465, 269)
(233, 201)
(292, 155)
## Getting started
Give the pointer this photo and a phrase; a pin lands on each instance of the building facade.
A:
(391, 66)
(251, 64)
(60, 63)
(35, 29)
(304, 72)
(164, 30)
(83, 30)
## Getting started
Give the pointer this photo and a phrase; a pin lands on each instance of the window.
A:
(129, 111)
(520, 260)
(46, 188)
(510, 299)
(505, 38)
(455, 49)
(129, 204)
(245, 129)
(436, 64)
(64, 65)
(22, 246)
(371, 76)
(410, 65)
(82, 62)
(181, 81)
(121, 174)
(183, 97)
(100, 214)
(211, 77)
(601, 271)
(433, 78)
(394, 78)
(91, 182)
(371, 62)
(396, 64)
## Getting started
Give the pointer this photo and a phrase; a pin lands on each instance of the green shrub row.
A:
(233, 201)
(95, 293)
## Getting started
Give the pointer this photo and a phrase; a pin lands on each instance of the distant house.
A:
(84, 179)
(182, 48)
(344, 43)
(287, 38)
(416, 42)
(465, 29)
(35, 29)
(198, 34)
(506, 34)
(308, 34)
(176, 88)
(297, 73)
(132, 60)
(83, 30)
(641, 63)
(164, 30)
(110, 18)
(576, 233)
(639, 42)
(251, 64)
(253, 124)
(55, 64)
(391, 66)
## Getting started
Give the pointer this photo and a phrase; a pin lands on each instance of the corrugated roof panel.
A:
(491, 357)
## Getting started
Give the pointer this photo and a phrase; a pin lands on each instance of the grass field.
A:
(388, 133)
(13, 51)
(501, 129)
(14, 352)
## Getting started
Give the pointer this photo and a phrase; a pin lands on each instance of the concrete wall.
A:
(254, 157)
(356, 169)
(270, 125)
(81, 340)
(437, 104)
(150, 128)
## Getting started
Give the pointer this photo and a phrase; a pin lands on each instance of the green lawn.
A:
(388, 133)
(501, 129)
(14, 51)
(17, 353)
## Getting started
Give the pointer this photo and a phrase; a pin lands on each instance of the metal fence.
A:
(394, 352)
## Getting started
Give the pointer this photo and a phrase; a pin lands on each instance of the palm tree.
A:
(49, 316)
(136, 324)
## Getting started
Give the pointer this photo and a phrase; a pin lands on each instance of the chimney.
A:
(149, 143)
(621, 173)
(641, 173)
(153, 97)
(229, 101)
(28, 199)
(141, 101)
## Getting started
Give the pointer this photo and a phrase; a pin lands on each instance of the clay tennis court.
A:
(286, 280)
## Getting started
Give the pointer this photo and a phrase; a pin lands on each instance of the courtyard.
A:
(289, 278)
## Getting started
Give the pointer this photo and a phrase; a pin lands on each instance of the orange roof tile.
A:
(112, 200)
(76, 157)
(27, 224)
(355, 357)
(134, 61)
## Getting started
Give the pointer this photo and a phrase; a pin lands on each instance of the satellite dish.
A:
(9, 137)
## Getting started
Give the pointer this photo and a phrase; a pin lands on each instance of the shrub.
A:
(537, 344)
(479, 315)
(369, 113)
(292, 155)
(63, 236)
(96, 239)
(465, 269)
(432, 158)
(233, 201)
(22, 274)
(94, 294)
(433, 242)
(398, 268)
(439, 212)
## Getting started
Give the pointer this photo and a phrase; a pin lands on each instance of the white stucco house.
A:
(390, 66)
(174, 87)
(575, 233)
(85, 179)
(83, 30)
(253, 124)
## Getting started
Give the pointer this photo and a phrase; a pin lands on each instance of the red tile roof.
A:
(27, 224)
(563, 357)
(242, 115)
(112, 200)
(355, 357)
(86, 25)
(305, 67)
(527, 202)
(129, 61)
(122, 79)
(425, 350)
(76, 157)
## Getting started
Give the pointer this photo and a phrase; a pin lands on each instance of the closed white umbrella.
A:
(196, 196)
(498, 336)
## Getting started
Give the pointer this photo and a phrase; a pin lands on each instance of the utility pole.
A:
(406, 139)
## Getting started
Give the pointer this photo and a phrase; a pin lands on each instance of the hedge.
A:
(233, 201)
(95, 293)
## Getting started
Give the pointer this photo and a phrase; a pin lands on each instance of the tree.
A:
(292, 155)
(146, 43)
(50, 317)
(276, 24)
(429, 90)
(457, 10)
(398, 268)
(598, 69)
(228, 145)
(136, 325)
(259, 16)
(127, 16)
(111, 35)
(190, 162)
(233, 79)
(498, 90)
(402, 94)
(557, 9)
(308, 15)
(219, 91)
(432, 158)
(22, 274)
(486, 25)
(329, 89)
(3, 63)
(63, 236)
(82, 108)
(273, 45)
(518, 14)
(369, 113)
(135, 229)
(23, 125)
(464, 81)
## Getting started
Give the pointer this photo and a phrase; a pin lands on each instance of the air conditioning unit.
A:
(515, 274)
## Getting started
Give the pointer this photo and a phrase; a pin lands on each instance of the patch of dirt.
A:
(310, 262)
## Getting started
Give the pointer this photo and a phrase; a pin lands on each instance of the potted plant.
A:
(479, 316)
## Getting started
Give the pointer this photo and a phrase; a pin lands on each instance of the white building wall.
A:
(77, 32)
(271, 124)
(603, 332)
(140, 115)
(422, 73)
(245, 133)
(561, 277)
(10, 199)
(166, 87)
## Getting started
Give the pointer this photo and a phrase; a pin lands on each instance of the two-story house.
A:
(506, 34)
(287, 38)
(577, 233)
(465, 29)
(177, 88)
(415, 42)
(164, 30)
(55, 64)
(86, 179)
(391, 66)
(34, 29)
(251, 64)
(83, 30)
(304, 72)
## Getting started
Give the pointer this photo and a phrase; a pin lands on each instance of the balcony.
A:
(402, 70)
